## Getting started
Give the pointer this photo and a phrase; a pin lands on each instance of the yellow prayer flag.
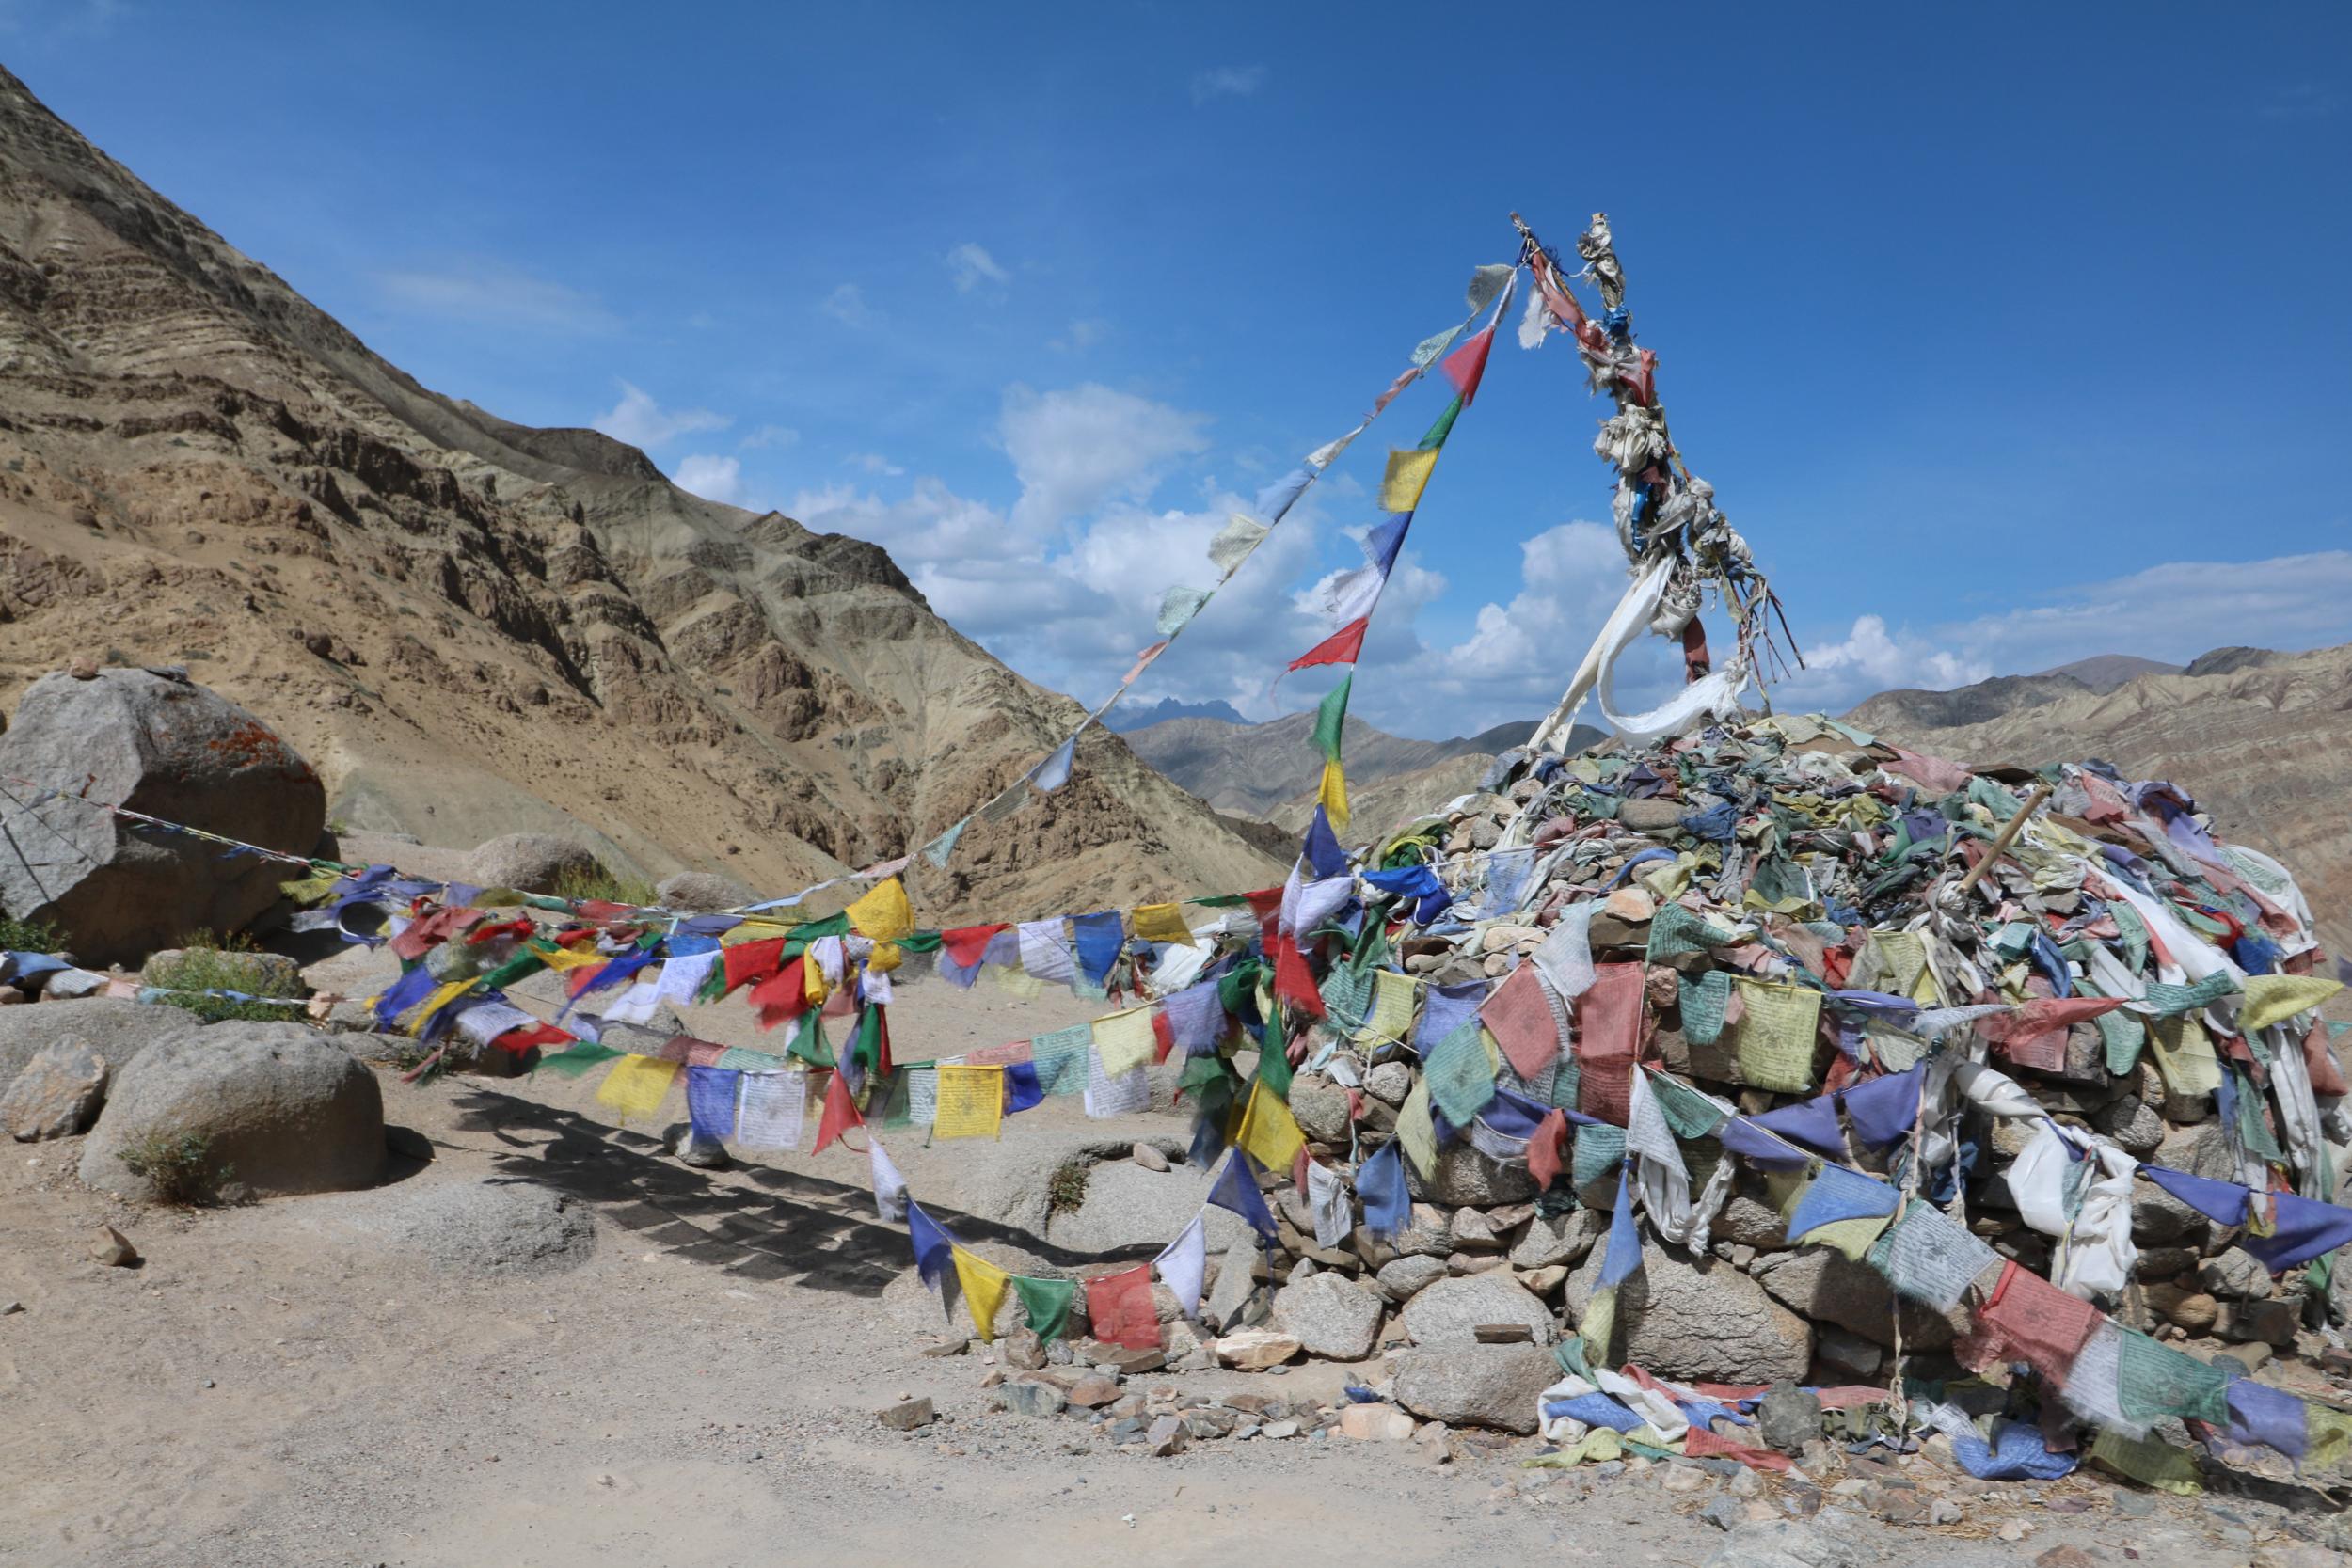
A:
(2185, 1055)
(971, 1101)
(2330, 1437)
(1415, 1129)
(1777, 1035)
(561, 959)
(753, 930)
(636, 1085)
(1599, 1326)
(1407, 475)
(1161, 922)
(2149, 1462)
(1332, 794)
(440, 997)
(883, 913)
(2275, 998)
(885, 957)
(1268, 1132)
(812, 980)
(1391, 1008)
(983, 1285)
(1851, 1237)
(1126, 1041)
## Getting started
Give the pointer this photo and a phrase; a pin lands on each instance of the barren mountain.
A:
(2259, 744)
(472, 627)
(1253, 769)
(2106, 671)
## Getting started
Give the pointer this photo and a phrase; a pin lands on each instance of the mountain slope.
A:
(1253, 769)
(472, 627)
(2106, 671)
(2258, 745)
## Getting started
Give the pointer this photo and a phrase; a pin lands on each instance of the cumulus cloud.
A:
(641, 421)
(846, 304)
(974, 268)
(774, 437)
(714, 479)
(1076, 450)
(1226, 81)
(874, 462)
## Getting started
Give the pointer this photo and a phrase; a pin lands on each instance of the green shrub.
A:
(1066, 1189)
(28, 936)
(179, 1166)
(581, 886)
(216, 963)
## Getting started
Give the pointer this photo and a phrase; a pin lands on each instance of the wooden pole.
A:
(2008, 834)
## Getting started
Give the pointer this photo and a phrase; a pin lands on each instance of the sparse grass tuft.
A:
(1066, 1189)
(179, 1166)
(28, 936)
(582, 886)
(218, 963)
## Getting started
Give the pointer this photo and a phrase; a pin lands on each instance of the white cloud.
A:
(645, 424)
(1074, 450)
(1870, 659)
(714, 479)
(1228, 81)
(1080, 335)
(874, 462)
(490, 293)
(972, 268)
(846, 304)
(770, 437)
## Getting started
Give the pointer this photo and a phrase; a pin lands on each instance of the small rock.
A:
(1745, 1482)
(907, 1415)
(1724, 1513)
(1021, 1349)
(1401, 1278)
(1375, 1423)
(113, 1249)
(2015, 1529)
(1207, 1422)
(1165, 1436)
(10, 1309)
(1026, 1397)
(1148, 1158)
(2063, 1557)
(57, 1094)
(1943, 1511)
(1685, 1478)
(1503, 1334)
(1279, 1429)
(946, 1344)
(1789, 1418)
(1253, 1350)
(1088, 1392)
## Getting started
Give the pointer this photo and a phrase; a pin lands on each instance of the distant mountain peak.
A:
(1123, 721)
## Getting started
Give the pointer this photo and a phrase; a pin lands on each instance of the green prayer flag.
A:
(1444, 426)
(1460, 1074)
(1045, 1304)
(1331, 716)
(577, 1059)
(2154, 1382)
(1274, 1068)
(808, 1040)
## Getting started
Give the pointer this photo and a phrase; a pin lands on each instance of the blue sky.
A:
(2006, 338)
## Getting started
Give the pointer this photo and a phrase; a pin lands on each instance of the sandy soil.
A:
(267, 1389)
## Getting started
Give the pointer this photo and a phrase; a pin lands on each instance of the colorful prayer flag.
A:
(983, 1285)
(636, 1087)
(971, 1102)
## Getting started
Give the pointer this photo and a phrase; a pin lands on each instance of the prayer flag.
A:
(636, 1087)
(1235, 1191)
(1161, 922)
(1520, 1017)
(1777, 1036)
(1119, 1310)
(1053, 772)
(1406, 476)
(2275, 998)
(1380, 1183)
(841, 1113)
(1268, 1132)
(890, 1188)
(1125, 1039)
(931, 1248)
(1184, 1265)
(710, 1101)
(971, 1102)
(770, 1108)
(983, 1285)
(1416, 1130)
(1391, 1016)
(1045, 1304)
(1343, 646)
(882, 914)
(1126, 1094)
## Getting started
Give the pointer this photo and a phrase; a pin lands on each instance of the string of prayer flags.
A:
(1119, 1310)
(983, 1285)
(1045, 1305)
(636, 1087)
(971, 1102)
(1060, 1058)
(1331, 726)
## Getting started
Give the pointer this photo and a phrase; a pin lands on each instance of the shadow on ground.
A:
(754, 1222)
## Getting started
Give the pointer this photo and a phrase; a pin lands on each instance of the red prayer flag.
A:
(783, 996)
(1294, 981)
(1164, 1032)
(1467, 365)
(1342, 647)
(967, 944)
(1518, 1015)
(1608, 1033)
(521, 1040)
(2035, 1035)
(1700, 1442)
(2029, 1319)
(1543, 1149)
(747, 961)
(1119, 1310)
(841, 1113)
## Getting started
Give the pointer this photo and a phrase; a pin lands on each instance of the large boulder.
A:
(116, 1027)
(1330, 1315)
(1684, 1318)
(157, 743)
(478, 1229)
(703, 892)
(261, 1108)
(1449, 1313)
(1464, 1178)
(1825, 1284)
(531, 862)
(1485, 1386)
(56, 1095)
(1127, 1205)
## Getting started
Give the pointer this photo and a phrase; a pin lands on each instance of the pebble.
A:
(1148, 1158)
(9, 1309)
(113, 1249)
(906, 1415)
(2015, 1529)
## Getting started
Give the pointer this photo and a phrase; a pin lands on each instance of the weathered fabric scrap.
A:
(1777, 1035)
